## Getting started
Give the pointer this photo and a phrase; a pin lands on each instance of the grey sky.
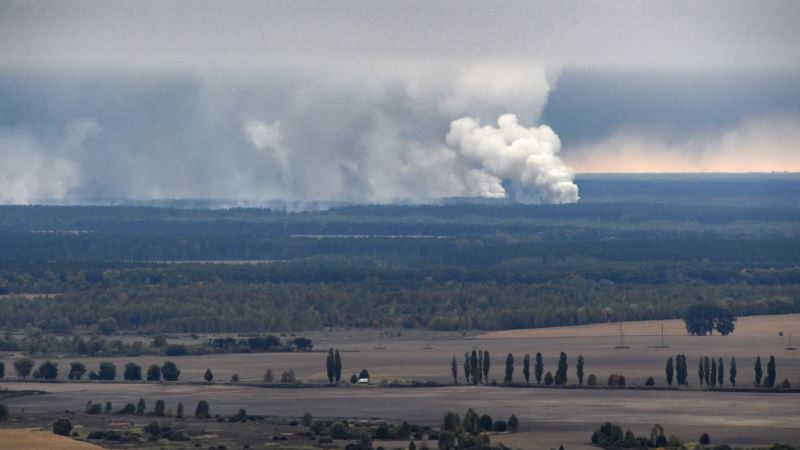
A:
(311, 100)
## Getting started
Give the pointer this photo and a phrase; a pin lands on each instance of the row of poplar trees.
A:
(334, 366)
(711, 371)
(477, 364)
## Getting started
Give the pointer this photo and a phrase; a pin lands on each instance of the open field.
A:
(33, 439)
(550, 417)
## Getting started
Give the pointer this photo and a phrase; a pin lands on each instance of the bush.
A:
(93, 408)
(170, 372)
(107, 371)
(705, 439)
(133, 372)
(62, 427)
(650, 382)
(592, 380)
(354, 379)
(129, 408)
(499, 426)
(785, 384)
(608, 434)
(208, 376)
(616, 379)
(235, 378)
(268, 376)
(339, 431)
(176, 350)
(306, 419)
(202, 411)
(486, 422)
(513, 423)
(160, 408)
(3, 412)
(23, 367)
(154, 373)
(153, 428)
(76, 371)
(140, 407)
(48, 370)
(548, 379)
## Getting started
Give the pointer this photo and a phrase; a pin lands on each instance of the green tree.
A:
(107, 371)
(329, 366)
(509, 369)
(179, 411)
(133, 372)
(170, 372)
(539, 368)
(454, 369)
(140, 406)
(467, 368)
(513, 423)
(758, 371)
(486, 422)
(526, 368)
(107, 326)
(202, 411)
(720, 372)
(713, 375)
(579, 368)
(702, 319)
(474, 371)
(76, 371)
(3, 412)
(62, 427)
(471, 422)
(153, 373)
(160, 408)
(451, 422)
(733, 372)
(669, 370)
(23, 367)
(561, 372)
(208, 376)
(487, 362)
(337, 366)
(447, 440)
(771, 372)
(48, 370)
(707, 370)
(700, 370)
(548, 379)
(2, 370)
(108, 407)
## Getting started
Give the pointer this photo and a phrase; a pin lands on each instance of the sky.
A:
(387, 101)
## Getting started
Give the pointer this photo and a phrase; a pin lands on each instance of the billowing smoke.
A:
(513, 152)
(374, 135)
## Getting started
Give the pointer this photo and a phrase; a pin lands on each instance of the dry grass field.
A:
(550, 417)
(36, 439)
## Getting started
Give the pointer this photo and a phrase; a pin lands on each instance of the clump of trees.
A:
(702, 319)
(611, 435)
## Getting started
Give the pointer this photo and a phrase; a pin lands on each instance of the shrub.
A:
(785, 384)
(208, 376)
(153, 428)
(486, 422)
(140, 407)
(170, 372)
(592, 380)
(288, 376)
(176, 350)
(62, 427)
(268, 376)
(235, 378)
(23, 367)
(339, 431)
(705, 439)
(107, 371)
(608, 434)
(133, 372)
(499, 426)
(48, 370)
(129, 408)
(616, 379)
(76, 371)
(154, 373)
(93, 408)
(354, 379)
(650, 382)
(202, 410)
(548, 379)
(160, 407)
(306, 419)
(513, 423)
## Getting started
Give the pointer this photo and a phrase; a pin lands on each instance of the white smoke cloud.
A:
(268, 138)
(512, 151)
(28, 174)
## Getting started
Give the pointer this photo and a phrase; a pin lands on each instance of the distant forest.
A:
(491, 265)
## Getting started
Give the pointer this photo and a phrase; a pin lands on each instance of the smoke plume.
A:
(513, 152)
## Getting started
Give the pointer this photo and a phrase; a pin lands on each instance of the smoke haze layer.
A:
(289, 134)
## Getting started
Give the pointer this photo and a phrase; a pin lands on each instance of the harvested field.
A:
(36, 439)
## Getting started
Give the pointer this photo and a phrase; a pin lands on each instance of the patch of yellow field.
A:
(745, 326)
(37, 439)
